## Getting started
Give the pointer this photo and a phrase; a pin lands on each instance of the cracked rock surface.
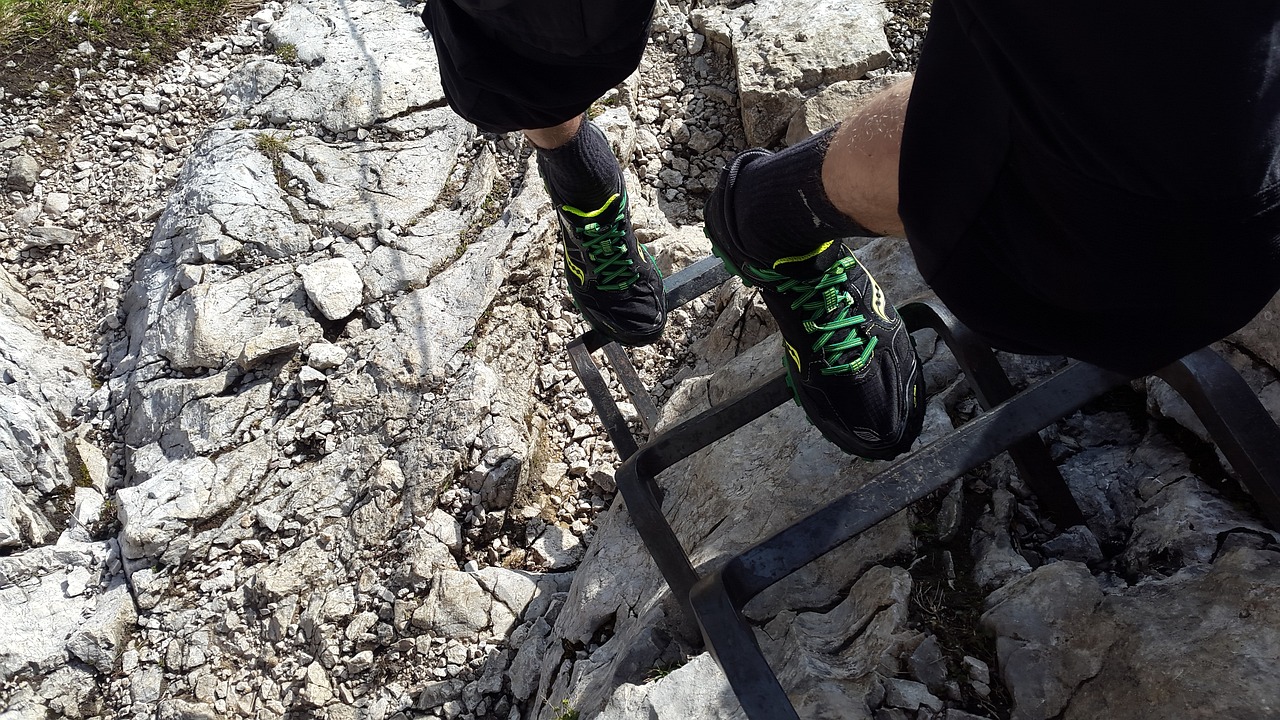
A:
(288, 428)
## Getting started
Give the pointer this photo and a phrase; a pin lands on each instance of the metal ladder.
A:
(1235, 419)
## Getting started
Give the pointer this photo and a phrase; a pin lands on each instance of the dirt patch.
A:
(35, 37)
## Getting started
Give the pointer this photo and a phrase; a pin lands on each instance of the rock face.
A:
(368, 65)
(1067, 650)
(61, 604)
(785, 51)
(333, 462)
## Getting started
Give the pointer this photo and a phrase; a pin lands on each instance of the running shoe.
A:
(613, 280)
(850, 360)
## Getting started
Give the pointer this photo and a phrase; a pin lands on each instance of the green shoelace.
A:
(824, 298)
(606, 247)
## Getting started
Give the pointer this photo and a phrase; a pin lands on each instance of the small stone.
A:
(55, 204)
(333, 286)
(269, 343)
(928, 665)
(48, 237)
(310, 380)
(603, 479)
(701, 142)
(910, 695)
(557, 548)
(1077, 543)
(360, 662)
(268, 519)
(954, 714)
(325, 356)
(978, 670)
(24, 173)
(77, 582)
(317, 690)
(695, 42)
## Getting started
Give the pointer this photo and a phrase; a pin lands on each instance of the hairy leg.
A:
(555, 136)
(860, 172)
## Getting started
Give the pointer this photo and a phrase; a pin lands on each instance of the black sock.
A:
(781, 207)
(582, 173)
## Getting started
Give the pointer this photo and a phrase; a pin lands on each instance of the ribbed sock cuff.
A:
(781, 207)
(583, 172)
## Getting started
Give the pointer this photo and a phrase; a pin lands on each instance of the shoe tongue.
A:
(813, 264)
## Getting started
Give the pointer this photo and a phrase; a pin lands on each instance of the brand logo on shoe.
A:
(573, 267)
(878, 299)
(795, 356)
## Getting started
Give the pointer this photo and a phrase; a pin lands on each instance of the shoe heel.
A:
(728, 265)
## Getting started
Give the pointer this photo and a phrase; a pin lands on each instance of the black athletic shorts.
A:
(1095, 179)
(525, 64)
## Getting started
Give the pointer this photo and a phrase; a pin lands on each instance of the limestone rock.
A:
(457, 607)
(698, 690)
(101, 639)
(317, 690)
(334, 286)
(24, 173)
(325, 356)
(253, 82)
(557, 548)
(374, 66)
(1064, 645)
(384, 185)
(230, 192)
(270, 343)
(617, 572)
(784, 50)
(40, 615)
(1182, 525)
(306, 567)
(1262, 335)
(49, 237)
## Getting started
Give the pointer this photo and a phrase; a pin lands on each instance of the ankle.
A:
(582, 172)
(781, 207)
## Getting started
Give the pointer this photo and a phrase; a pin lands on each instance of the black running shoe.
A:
(849, 358)
(613, 280)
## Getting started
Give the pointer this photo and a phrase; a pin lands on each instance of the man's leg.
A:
(860, 171)
(778, 221)
(523, 69)
(555, 136)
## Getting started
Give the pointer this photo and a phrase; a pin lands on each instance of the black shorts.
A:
(525, 64)
(1062, 192)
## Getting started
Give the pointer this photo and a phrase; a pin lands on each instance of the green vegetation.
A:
(272, 145)
(662, 670)
(567, 712)
(490, 211)
(275, 148)
(34, 34)
(288, 53)
(611, 99)
(154, 21)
